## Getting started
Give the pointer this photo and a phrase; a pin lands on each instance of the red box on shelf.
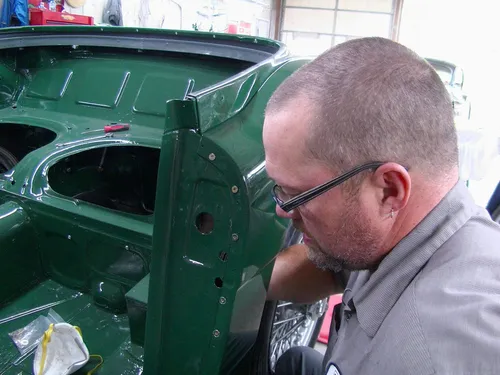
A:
(46, 17)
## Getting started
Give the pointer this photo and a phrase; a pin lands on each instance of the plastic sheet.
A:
(27, 338)
(36, 309)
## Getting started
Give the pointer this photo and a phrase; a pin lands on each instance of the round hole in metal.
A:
(205, 222)
(218, 282)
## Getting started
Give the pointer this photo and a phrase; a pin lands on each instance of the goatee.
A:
(324, 261)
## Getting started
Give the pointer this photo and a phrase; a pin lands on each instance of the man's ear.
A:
(393, 183)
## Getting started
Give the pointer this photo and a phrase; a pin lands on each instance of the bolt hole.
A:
(204, 222)
(223, 256)
(14, 106)
(218, 282)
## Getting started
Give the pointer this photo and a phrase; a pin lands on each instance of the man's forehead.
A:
(286, 125)
(284, 143)
(295, 172)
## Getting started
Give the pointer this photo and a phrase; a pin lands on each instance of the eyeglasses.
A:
(288, 203)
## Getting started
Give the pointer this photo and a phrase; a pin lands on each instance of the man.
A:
(423, 296)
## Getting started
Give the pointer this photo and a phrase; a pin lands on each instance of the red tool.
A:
(111, 128)
(116, 128)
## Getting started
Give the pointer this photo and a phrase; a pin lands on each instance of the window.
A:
(367, 5)
(313, 26)
(309, 20)
(363, 24)
(329, 4)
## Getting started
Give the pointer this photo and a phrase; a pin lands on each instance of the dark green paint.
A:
(137, 306)
(20, 270)
(138, 279)
(104, 332)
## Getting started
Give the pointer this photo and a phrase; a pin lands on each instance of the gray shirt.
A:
(433, 304)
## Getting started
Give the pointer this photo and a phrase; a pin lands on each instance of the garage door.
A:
(309, 27)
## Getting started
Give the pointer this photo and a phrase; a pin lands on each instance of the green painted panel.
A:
(155, 90)
(127, 87)
(9, 79)
(182, 256)
(128, 359)
(109, 85)
(137, 305)
(63, 253)
(104, 333)
(213, 234)
(139, 292)
(18, 245)
(50, 84)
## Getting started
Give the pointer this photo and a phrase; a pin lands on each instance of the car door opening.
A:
(120, 178)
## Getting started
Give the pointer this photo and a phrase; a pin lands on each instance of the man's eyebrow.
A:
(284, 186)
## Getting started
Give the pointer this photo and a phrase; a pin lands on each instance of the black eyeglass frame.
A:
(306, 196)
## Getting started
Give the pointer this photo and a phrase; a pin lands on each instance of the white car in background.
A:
(452, 76)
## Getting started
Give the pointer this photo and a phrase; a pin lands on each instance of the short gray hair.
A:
(374, 100)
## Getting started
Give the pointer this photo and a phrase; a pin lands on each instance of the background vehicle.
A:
(452, 76)
(493, 205)
(157, 241)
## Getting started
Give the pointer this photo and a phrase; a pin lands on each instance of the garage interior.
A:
(458, 32)
(456, 36)
(453, 31)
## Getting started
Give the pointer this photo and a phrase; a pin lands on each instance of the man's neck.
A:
(425, 196)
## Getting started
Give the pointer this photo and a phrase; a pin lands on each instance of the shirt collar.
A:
(375, 294)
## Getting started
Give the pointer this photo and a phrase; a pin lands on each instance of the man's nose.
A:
(284, 214)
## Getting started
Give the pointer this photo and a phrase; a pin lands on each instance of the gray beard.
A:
(324, 261)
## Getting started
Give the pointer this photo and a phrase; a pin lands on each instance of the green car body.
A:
(77, 226)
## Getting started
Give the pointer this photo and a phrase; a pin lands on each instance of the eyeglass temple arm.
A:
(310, 194)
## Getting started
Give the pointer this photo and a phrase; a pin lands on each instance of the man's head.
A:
(367, 100)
